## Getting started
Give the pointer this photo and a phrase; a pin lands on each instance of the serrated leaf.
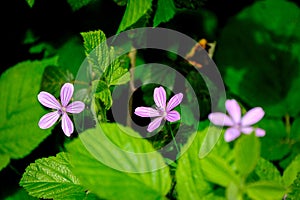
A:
(4, 161)
(51, 178)
(266, 190)
(21, 195)
(135, 9)
(290, 173)
(20, 110)
(247, 153)
(77, 4)
(165, 11)
(294, 194)
(267, 171)
(112, 156)
(30, 2)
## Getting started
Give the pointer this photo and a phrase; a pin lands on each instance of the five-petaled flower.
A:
(61, 109)
(237, 123)
(161, 111)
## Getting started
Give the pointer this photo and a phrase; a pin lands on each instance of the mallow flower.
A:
(162, 110)
(61, 108)
(238, 124)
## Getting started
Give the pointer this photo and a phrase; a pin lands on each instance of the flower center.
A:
(63, 109)
(161, 111)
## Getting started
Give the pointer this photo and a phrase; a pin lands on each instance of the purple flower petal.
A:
(252, 116)
(146, 112)
(233, 110)
(220, 119)
(66, 93)
(48, 100)
(231, 134)
(67, 125)
(174, 101)
(247, 130)
(154, 124)
(173, 116)
(48, 120)
(159, 97)
(260, 132)
(75, 107)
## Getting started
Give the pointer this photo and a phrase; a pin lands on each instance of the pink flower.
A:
(49, 101)
(237, 123)
(162, 111)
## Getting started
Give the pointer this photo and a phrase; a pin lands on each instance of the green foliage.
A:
(165, 11)
(265, 190)
(290, 173)
(115, 149)
(135, 10)
(77, 4)
(20, 109)
(295, 189)
(51, 178)
(265, 170)
(210, 140)
(21, 195)
(30, 2)
(272, 47)
(247, 153)
(4, 160)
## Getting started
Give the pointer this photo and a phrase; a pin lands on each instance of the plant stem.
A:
(287, 125)
(173, 137)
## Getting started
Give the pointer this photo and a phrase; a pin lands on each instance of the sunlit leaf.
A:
(266, 190)
(30, 2)
(135, 9)
(165, 11)
(295, 189)
(108, 159)
(52, 178)
(290, 173)
(267, 171)
(20, 109)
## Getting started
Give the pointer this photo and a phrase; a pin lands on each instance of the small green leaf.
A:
(266, 190)
(20, 110)
(4, 161)
(290, 173)
(51, 178)
(165, 11)
(211, 138)
(30, 2)
(217, 170)
(135, 9)
(247, 153)
(77, 4)
(116, 163)
(267, 171)
(295, 189)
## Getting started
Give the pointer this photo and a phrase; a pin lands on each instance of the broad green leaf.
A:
(211, 138)
(290, 173)
(273, 145)
(295, 189)
(165, 11)
(51, 178)
(247, 153)
(116, 163)
(77, 4)
(135, 9)
(4, 161)
(21, 195)
(218, 171)
(30, 2)
(20, 110)
(190, 182)
(261, 66)
(267, 171)
(266, 190)
(233, 192)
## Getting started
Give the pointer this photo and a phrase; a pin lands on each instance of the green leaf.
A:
(4, 161)
(117, 163)
(135, 9)
(233, 192)
(290, 173)
(20, 110)
(211, 138)
(217, 170)
(21, 195)
(165, 11)
(77, 4)
(266, 190)
(51, 178)
(246, 58)
(247, 153)
(190, 182)
(295, 189)
(267, 171)
(30, 2)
